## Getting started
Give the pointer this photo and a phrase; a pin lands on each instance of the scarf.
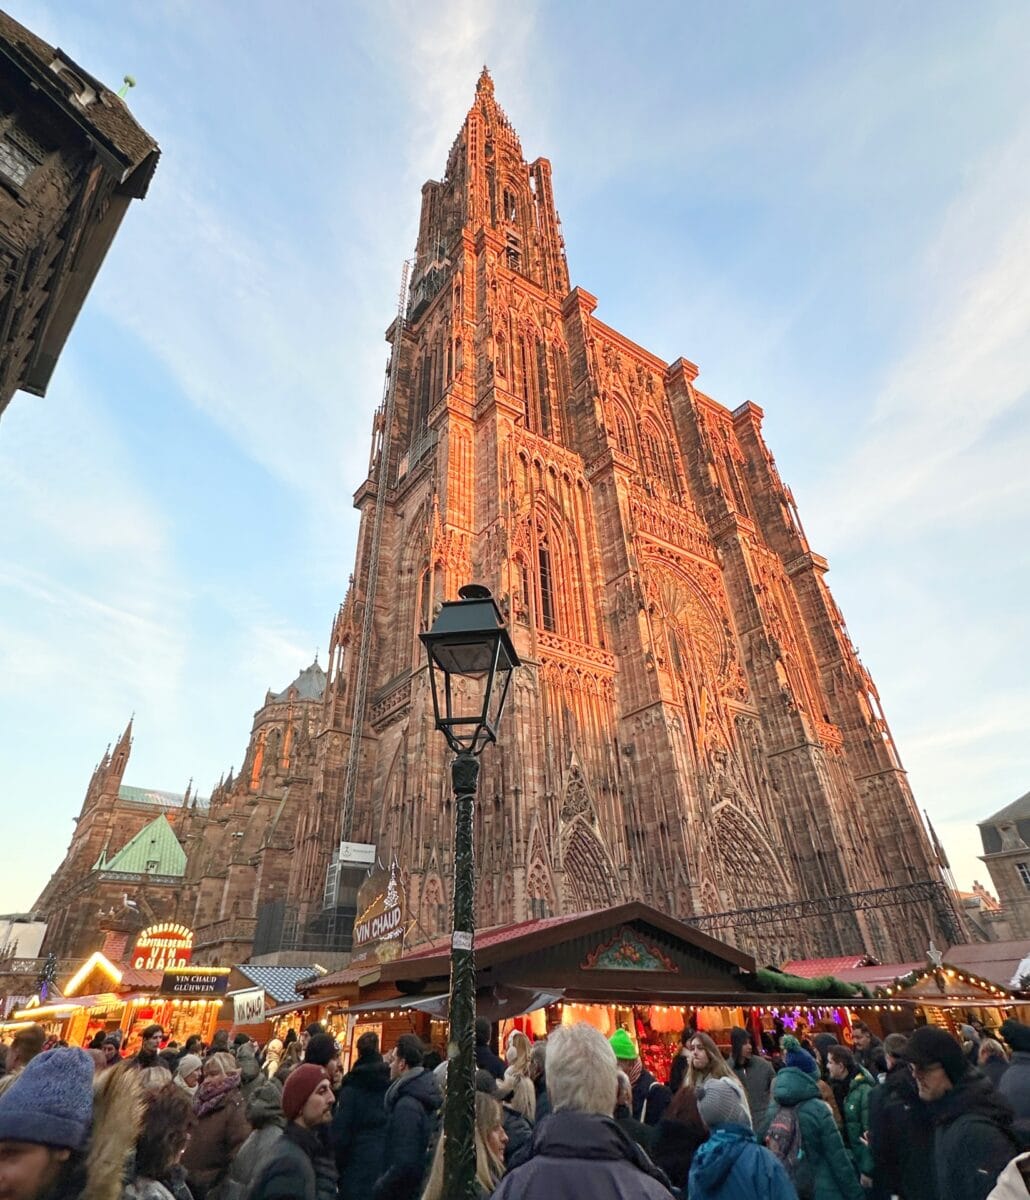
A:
(212, 1093)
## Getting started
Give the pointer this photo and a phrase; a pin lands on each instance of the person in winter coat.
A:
(486, 1060)
(677, 1137)
(623, 1116)
(264, 1111)
(273, 1057)
(753, 1071)
(538, 1074)
(973, 1136)
(301, 1164)
(579, 1153)
(518, 1132)
(1015, 1083)
(358, 1131)
(650, 1098)
(412, 1102)
(60, 1137)
(707, 1063)
(901, 1131)
(680, 1064)
(188, 1073)
(868, 1049)
(221, 1127)
(1012, 1182)
(992, 1059)
(490, 1140)
(517, 1088)
(156, 1173)
(823, 1171)
(853, 1086)
(731, 1165)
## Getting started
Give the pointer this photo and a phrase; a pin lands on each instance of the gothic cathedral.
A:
(692, 725)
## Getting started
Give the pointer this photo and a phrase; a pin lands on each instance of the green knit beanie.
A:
(789, 1042)
(622, 1044)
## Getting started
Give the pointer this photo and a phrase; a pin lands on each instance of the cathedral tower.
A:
(692, 726)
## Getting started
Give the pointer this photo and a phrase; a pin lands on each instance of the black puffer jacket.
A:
(359, 1127)
(520, 1137)
(301, 1167)
(901, 1137)
(412, 1104)
(973, 1138)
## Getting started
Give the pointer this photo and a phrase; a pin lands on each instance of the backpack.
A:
(783, 1138)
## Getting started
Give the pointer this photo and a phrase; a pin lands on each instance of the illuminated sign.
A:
(161, 946)
(202, 981)
(379, 925)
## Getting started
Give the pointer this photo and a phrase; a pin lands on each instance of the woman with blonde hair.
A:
(517, 1089)
(705, 1062)
(221, 1126)
(992, 1059)
(490, 1142)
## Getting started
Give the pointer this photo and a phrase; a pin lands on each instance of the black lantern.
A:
(471, 659)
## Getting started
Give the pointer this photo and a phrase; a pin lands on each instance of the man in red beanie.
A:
(302, 1166)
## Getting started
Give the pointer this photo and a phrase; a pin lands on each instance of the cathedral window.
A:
(543, 390)
(502, 357)
(546, 589)
(425, 600)
(511, 208)
(526, 385)
(513, 252)
(656, 459)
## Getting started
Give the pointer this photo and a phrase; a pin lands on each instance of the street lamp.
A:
(471, 660)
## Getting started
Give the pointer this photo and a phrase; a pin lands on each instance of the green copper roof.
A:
(155, 850)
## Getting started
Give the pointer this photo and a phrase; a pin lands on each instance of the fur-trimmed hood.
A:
(118, 1105)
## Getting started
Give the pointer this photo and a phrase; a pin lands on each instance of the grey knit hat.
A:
(719, 1103)
(51, 1101)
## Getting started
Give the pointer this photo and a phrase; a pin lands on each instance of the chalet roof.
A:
(501, 943)
(309, 684)
(107, 119)
(155, 850)
(813, 968)
(279, 982)
(996, 961)
(1018, 810)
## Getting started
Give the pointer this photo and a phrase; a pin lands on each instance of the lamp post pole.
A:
(471, 660)
(460, 1110)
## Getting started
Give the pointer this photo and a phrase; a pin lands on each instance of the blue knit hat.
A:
(51, 1101)
(801, 1059)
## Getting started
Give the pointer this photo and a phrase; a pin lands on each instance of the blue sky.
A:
(825, 206)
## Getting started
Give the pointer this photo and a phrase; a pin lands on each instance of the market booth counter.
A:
(631, 966)
(103, 996)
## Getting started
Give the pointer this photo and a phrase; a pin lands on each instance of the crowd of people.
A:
(577, 1116)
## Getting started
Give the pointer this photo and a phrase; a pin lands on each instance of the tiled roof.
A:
(134, 980)
(879, 976)
(156, 797)
(108, 116)
(994, 961)
(309, 684)
(813, 968)
(1018, 810)
(279, 982)
(155, 850)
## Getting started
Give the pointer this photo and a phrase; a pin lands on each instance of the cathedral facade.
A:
(691, 727)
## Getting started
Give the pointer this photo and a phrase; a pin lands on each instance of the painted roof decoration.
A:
(309, 684)
(155, 850)
(279, 982)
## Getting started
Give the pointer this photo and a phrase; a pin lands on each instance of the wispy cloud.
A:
(967, 367)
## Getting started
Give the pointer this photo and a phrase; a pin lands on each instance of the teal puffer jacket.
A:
(825, 1166)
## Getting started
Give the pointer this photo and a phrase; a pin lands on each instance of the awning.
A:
(498, 1003)
(281, 1010)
